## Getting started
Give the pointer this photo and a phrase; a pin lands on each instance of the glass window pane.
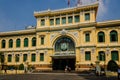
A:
(42, 40)
(10, 43)
(87, 37)
(26, 42)
(42, 22)
(113, 36)
(87, 16)
(51, 22)
(34, 41)
(9, 58)
(57, 21)
(114, 55)
(70, 19)
(41, 57)
(17, 57)
(33, 57)
(101, 56)
(64, 20)
(101, 37)
(3, 43)
(87, 55)
(18, 43)
(77, 18)
(24, 57)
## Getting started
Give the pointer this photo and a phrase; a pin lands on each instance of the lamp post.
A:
(16, 57)
(103, 58)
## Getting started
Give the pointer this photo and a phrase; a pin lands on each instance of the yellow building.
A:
(64, 37)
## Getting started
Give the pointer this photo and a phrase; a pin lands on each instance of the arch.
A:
(18, 41)
(113, 36)
(67, 35)
(64, 43)
(101, 55)
(34, 41)
(26, 42)
(101, 36)
(114, 55)
(3, 43)
(10, 43)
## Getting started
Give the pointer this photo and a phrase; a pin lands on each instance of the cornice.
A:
(67, 27)
(66, 10)
(16, 33)
(112, 23)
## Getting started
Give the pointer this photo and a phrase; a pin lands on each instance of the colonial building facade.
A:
(64, 37)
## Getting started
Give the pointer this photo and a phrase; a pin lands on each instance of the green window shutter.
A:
(64, 20)
(24, 57)
(101, 56)
(9, 58)
(33, 57)
(18, 43)
(101, 37)
(26, 42)
(77, 18)
(3, 43)
(87, 37)
(87, 16)
(34, 41)
(114, 55)
(42, 22)
(113, 36)
(70, 19)
(57, 21)
(51, 22)
(10, 43)
(41, 57)
(87, 56)
(17, 57)
(42, 40)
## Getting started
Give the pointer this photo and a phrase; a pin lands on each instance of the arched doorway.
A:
(64, 54)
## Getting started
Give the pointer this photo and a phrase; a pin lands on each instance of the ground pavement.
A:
(54, 76)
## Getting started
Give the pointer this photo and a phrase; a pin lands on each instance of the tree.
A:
(112, 66)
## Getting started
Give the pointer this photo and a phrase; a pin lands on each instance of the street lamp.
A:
(103, 58)
(16, 57)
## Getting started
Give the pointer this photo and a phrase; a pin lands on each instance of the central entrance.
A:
(64, 54)
(60, 64)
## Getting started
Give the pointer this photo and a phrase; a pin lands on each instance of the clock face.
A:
(64, 46)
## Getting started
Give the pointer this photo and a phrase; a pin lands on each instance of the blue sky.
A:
(17, 14)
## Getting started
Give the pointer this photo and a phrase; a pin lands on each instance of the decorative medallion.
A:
(64, 46)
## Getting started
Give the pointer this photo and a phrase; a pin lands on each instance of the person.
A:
(118, 73)
(69, 69)
(66, 68)
(98, 70)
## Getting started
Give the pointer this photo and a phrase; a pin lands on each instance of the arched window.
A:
(9, 58)
(33, 41)
(3, 44)
(113, 36)
(10, 43)
(101, 37)
(26, 42)
(114, 55)
(102, 56)
(18, 43)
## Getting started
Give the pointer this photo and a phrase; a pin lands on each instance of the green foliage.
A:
(21, 67)
(112, 66)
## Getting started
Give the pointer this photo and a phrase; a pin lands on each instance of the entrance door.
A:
(60, 64)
